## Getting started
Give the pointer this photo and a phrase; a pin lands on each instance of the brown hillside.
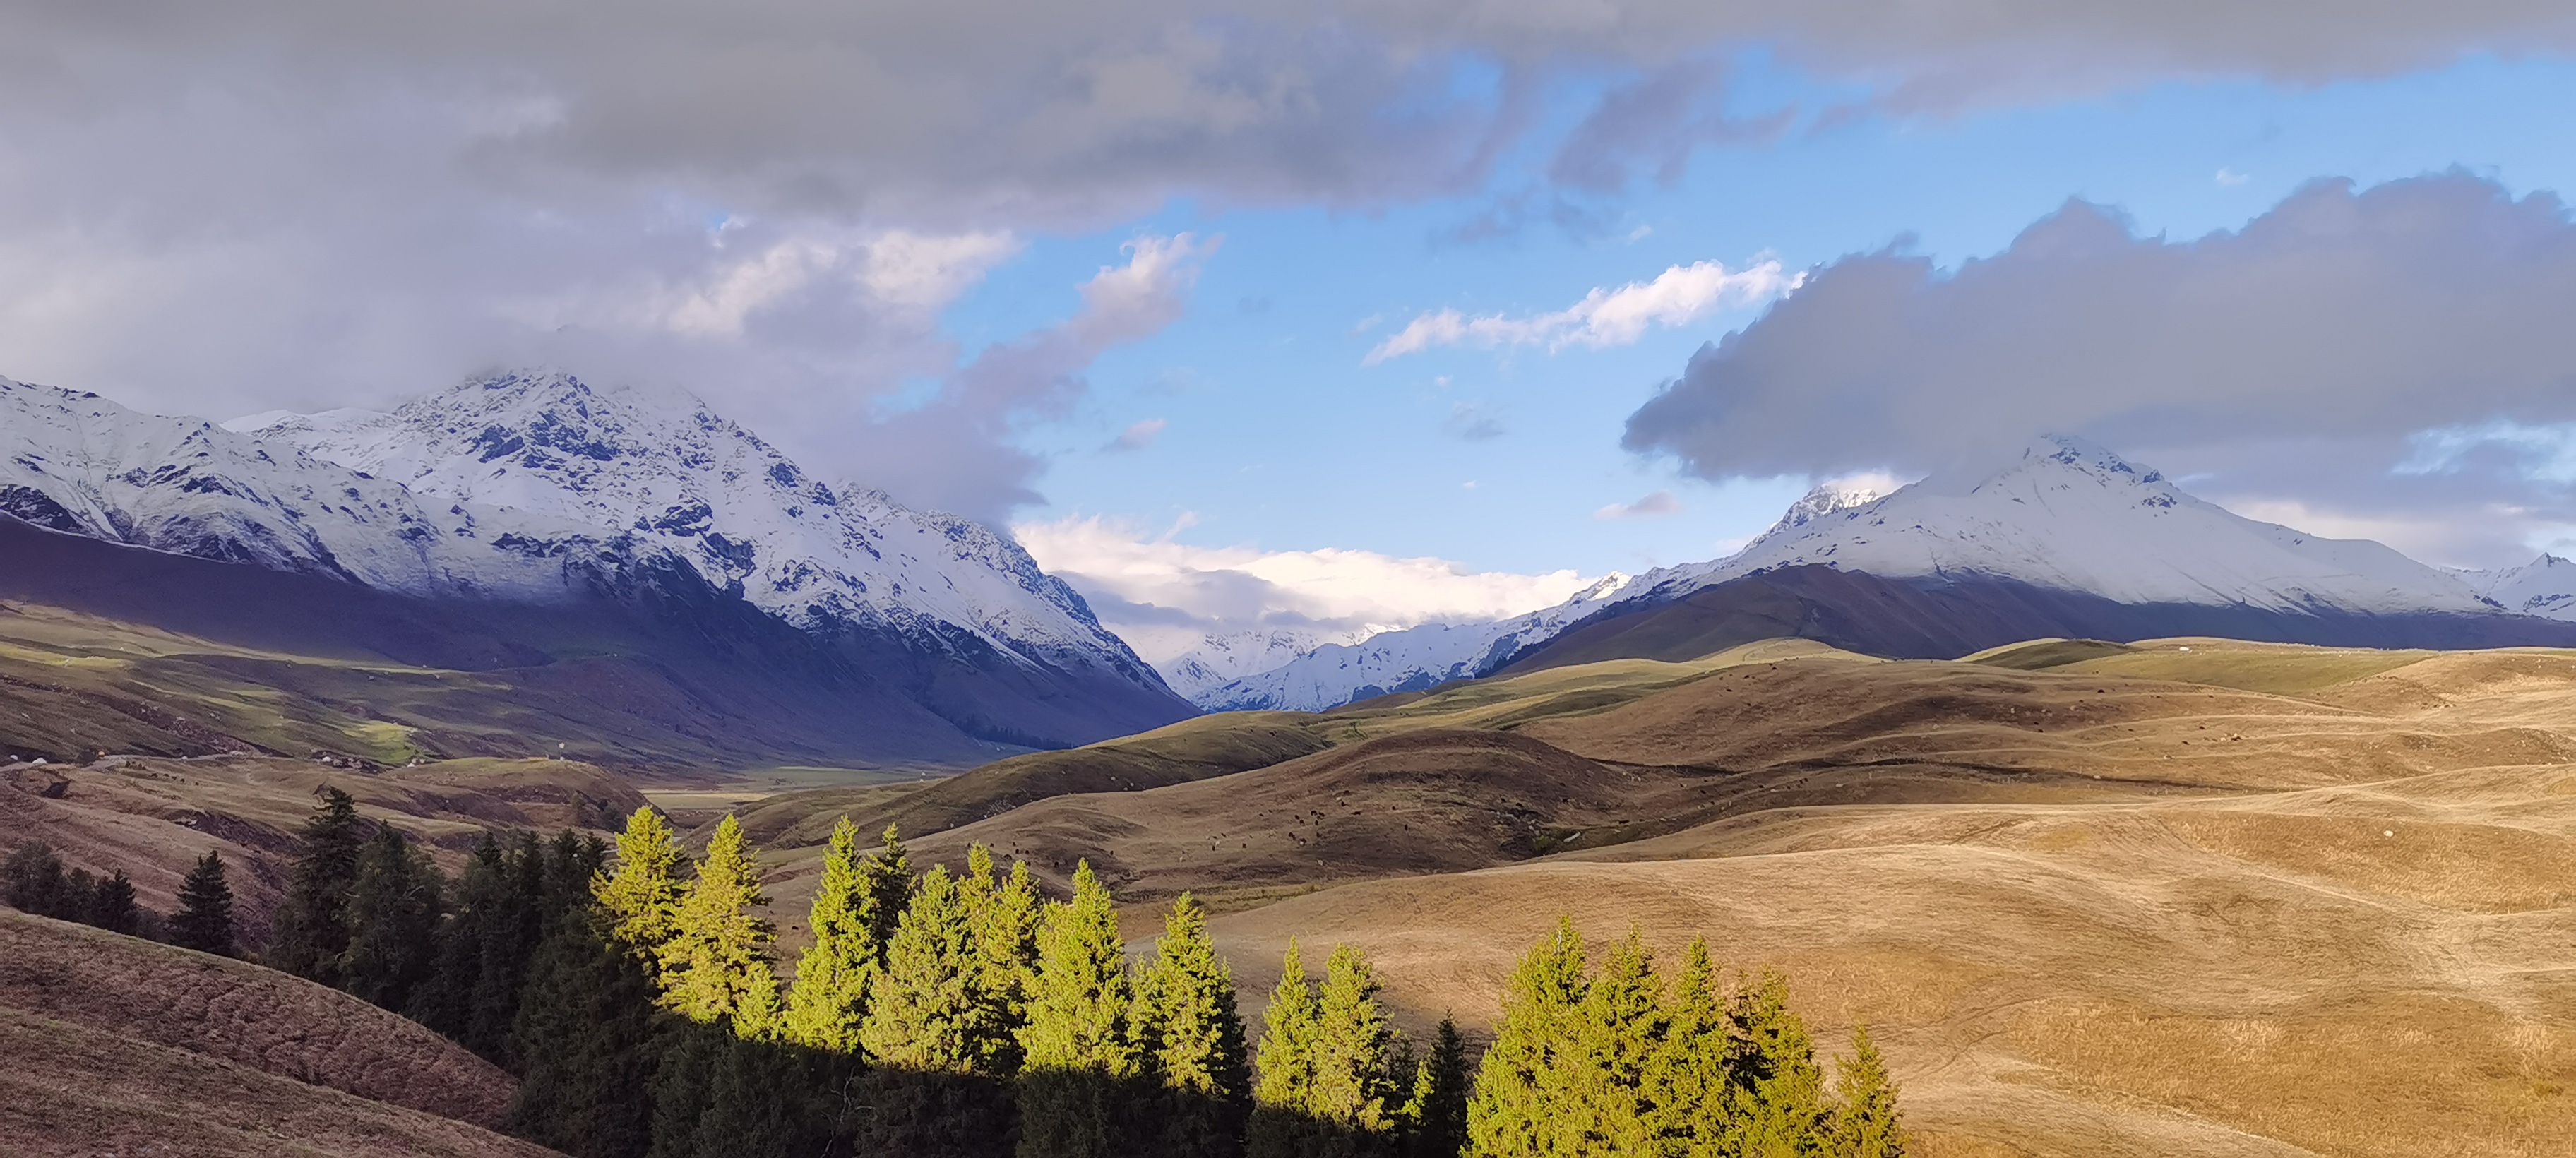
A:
(237, 1012)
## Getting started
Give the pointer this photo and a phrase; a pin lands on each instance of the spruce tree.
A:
(1865, 1121)
(642, 894)
(1687, 1083)
(111, 905)
(1351, 1096)
(1284, 1083)
(922, 1006)
(1005, 915)
(889, 883)
(1605, 1107)
(446, 1001)
(1079, 1044)
(1435, 1117)
(1517, 1105)
(827, 1006)
(586, 1040)
(1193, 1038)
(311, 933)
(393, 921)
(513, 926)
(204, 921)
(1778, 1090)
(718, 952)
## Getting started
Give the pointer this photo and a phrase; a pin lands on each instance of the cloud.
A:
(1163, 596)
(1652, 506)
(2339, 333)
(1605, 317)
(1469, 422)
(1137, 436)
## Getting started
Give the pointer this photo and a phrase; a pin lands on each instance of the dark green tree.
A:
(514, 925)
(1435, 1116)
(111, 905)
(1865, 1120)
(393, 921)
(1192, 1036)
(585, 1036)
(310, 937)
(1078, 1046)
(35, 881)
(1517, 1106)
(204, 921)
(446, 1001)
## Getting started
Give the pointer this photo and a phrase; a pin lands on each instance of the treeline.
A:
(942, 1013)
(33, 880)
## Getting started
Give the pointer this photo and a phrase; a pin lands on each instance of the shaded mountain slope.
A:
(1955, 616)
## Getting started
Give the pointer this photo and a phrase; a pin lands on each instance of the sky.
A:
(1333, 317)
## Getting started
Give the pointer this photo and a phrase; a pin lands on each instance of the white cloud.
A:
(2231, 177)
(1137, 436)
(1655, 505)
(1164, 596)
(1605, 317)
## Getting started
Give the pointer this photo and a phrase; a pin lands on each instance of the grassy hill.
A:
(111, 1045)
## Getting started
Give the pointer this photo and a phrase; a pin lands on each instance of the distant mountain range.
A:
(2065, 539)
(645, 518)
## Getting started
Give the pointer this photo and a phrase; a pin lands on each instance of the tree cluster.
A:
(34, 880)
(1619, 1060)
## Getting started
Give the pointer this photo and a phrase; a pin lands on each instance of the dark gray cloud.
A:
(2302, 359)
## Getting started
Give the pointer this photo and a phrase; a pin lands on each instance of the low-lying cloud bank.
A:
(1164, 597)
(2397, 356)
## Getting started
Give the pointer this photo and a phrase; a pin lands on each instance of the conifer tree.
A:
(1078, 1044)
(1284, 1085)
(1865, 1120)
(921, 1006)
(1517, 1104)
(111, 904)
(827, 1006)
(204, 921)
(513, 926)
(446, 1002)
(393, 921)
(1687, 1084)
(642, 894)
(718, 952)
(35, 882)
(1778, 1090)
(1351, 1096)
(889, 884)
(311, 934)
(1604, 1107)
(1005, 915)
(586, 1040)
(1192, 1036)
(1435, 1116)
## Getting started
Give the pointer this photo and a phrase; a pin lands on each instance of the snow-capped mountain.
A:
(2064, 515)
(1407, 660)
(2546, 586)
(1223, 658)
(663, 471)
(535, 488)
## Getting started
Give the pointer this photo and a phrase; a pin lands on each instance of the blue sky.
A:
(1278, 434)
(1113, 274)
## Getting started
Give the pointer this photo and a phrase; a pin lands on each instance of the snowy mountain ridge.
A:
(664, 471)
(533, 487)
(2063, 514)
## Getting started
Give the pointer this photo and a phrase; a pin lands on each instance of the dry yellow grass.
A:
(2351, 931)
